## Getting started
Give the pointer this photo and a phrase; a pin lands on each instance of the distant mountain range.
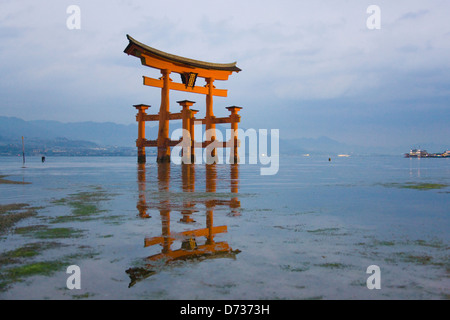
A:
(94, 138)
(326, 145)
(104, 134)
(50, 138)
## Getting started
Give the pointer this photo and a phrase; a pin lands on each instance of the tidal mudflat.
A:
(225, 232)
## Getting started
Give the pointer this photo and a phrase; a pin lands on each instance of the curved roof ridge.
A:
(171, 57)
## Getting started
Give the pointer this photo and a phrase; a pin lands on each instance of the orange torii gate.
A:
(189, 70)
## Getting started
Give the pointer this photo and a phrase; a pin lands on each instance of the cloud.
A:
(290, 52)
(414, 15)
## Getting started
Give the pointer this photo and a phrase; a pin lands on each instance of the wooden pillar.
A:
(141, 131)
(210, 225)
(142, 203)
(164, 205)
(235, 119)
(211, 178)
(210, 125)
(234, 178)
(188, 177)
(188, 185)
(234, 203)
(187, 140)
(163, 133)
(192, 132)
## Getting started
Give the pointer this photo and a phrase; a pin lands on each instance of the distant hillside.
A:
(108, 138)
(61, 147)
(326, 145)
(104, 134)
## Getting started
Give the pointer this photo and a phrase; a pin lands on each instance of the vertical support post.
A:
(141, 131)
(234, 203)
(234, 178)
(192, 132)
(163, 133)
(188, 177)
(210, 125)
(211, 177)
(164, 211)
(188, 185)
(235, 119)
(210, 225)
(186, 117)
(142, 203)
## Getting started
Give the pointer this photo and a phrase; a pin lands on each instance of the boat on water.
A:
(418, 153)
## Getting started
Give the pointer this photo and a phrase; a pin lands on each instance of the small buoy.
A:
(329, 159)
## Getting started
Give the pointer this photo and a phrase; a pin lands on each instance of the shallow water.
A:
(226, 232)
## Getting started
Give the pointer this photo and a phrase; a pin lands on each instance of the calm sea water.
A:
(226, 232)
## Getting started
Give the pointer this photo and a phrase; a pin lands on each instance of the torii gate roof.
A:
(137, 48)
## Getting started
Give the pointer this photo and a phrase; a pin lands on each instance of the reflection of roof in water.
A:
(201, 253)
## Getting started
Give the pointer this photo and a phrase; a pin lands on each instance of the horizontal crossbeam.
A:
(201, 250)
(217, 144)
(154, 143)
(159, 83)
(173, 143)
(155, 117)
(206, 232)
(229, 119)
(179, 116)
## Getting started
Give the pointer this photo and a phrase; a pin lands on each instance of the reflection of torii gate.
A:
(189, 70)
(191, 247)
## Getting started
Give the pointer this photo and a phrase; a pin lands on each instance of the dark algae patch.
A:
(438, 244)
(45, 268)
(423, 259)
(293, 268)
(48, 248)
(333, 265)
(5, 208)
(7, 181)
(86, 295)
(424, 186)
(16, 265)
(328, 232)
(19, 273)
(25, 262)
(324, 230)
(84, 206)
(422, 254)
(28, 251)
(10, 214)
(44, 232)
(416, 186)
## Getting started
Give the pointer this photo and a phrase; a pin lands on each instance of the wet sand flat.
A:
(154, 231)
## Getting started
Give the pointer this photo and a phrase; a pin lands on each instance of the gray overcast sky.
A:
(309, 68)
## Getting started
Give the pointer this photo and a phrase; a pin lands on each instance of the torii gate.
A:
(189, 70)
